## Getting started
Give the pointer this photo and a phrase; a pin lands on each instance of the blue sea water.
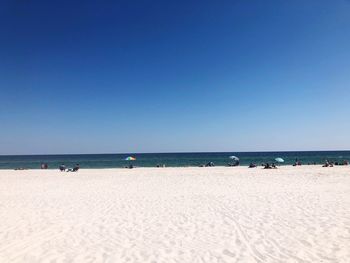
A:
(169, 159)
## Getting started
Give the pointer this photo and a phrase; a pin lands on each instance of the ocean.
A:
(168, 159)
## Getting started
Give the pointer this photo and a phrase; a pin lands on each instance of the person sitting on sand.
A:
(296, 162)
(267, 166)
(270, 166)
(252, 165)
(62, 167)
(345, 162)
(76, 167)
(326, 164)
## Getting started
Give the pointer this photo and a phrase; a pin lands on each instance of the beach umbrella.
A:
(279, 160)
(234, 158)
(130, 158)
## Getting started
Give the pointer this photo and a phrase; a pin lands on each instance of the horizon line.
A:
(135, 153)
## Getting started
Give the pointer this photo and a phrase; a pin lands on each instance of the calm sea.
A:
(169, 159)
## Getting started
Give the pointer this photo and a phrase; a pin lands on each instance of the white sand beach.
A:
(187, 215)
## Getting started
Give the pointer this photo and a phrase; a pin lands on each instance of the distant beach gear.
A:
(74, 169)
(130, 158)
(279, 160)
(234, 158)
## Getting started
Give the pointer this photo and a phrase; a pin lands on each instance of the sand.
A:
(292, 214)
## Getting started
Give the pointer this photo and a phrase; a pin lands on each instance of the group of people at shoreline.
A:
(331, 164)
(327, 163)
(63, 168)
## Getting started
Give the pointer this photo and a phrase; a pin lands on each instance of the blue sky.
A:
(161, 76)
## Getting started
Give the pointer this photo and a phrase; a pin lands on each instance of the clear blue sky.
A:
(163, 76)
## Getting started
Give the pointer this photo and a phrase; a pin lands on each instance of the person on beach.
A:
(252, 165)
(327, 164)
(62, 167)
(297, 162)
(76, 167)
(267, 166)
(210, 164)
(270, 166)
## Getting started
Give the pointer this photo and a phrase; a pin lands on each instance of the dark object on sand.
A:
(270, 166)
(345, 162)
(267, 166)
(297, 163)
(62, 168)
(210, 164)
(327, 164)
(74, 169)
(252, 165)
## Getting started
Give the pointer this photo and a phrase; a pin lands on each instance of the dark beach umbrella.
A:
(235, 158)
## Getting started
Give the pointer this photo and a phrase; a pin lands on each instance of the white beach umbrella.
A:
(279, 160)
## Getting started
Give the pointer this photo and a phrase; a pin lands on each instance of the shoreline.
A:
(101, 161)
(311, 166)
